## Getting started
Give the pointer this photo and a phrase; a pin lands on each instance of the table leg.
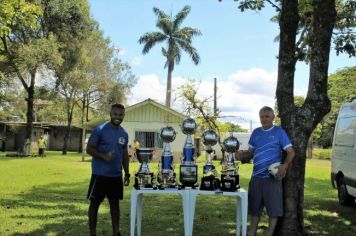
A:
(244, 209)
(139, 213)
(186, 214)
(193, 197)
(133, 212)
(238, 215)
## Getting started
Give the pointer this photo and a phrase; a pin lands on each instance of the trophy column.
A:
(188, 171)
(229, 176)
(144, 178)
(209, 180)
(166, 176)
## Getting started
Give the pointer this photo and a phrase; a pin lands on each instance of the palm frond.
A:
(180, 17)
(191, 32)
(160, 13)
(150, 39)
(190, 50)
(165, 24)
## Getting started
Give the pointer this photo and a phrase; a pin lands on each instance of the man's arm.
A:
(125, 161)
(282, 169)
(125, 165)
(91, 150)
(244, 156)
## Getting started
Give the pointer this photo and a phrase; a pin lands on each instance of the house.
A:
(144, 121)
(12, 136)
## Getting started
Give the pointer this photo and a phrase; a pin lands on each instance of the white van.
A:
(343, 172)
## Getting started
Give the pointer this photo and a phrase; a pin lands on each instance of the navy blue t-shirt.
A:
(108, 139)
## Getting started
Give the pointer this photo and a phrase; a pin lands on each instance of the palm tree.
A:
(177, 39)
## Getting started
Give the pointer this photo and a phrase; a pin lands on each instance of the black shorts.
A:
(41, 151)
(103, 186)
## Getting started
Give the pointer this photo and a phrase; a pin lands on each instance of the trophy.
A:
(144, 178)
(188, 172)
(209, 181)
(229, 175)
(166, 176)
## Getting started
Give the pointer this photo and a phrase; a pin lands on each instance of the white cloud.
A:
(148, 86)
(240, 96)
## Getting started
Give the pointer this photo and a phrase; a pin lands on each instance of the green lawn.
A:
(48, 197)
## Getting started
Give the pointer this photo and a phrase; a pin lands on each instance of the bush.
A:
(320, 153)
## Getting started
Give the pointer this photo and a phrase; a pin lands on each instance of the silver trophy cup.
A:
(166, 176)
(209, 180)
(144, 178)
(229, 172)
(188, 170)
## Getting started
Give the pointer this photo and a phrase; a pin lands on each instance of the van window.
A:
(345, 132)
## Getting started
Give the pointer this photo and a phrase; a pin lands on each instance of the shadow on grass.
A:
(59, 209)
(323, 213)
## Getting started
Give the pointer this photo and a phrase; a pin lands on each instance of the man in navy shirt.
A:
(265, 147)
(108, 147)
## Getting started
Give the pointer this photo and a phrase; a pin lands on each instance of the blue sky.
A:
(236, 47)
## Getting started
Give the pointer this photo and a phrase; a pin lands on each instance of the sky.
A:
(237, 48)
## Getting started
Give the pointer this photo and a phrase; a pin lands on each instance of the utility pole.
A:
(215, 103)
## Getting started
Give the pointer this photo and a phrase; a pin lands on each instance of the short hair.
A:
(117, 105)
(266, 109)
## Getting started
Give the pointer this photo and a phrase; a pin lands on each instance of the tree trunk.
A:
(300, 122)
(29, 114)
(67, 133)
(83, 129)
(169, 84)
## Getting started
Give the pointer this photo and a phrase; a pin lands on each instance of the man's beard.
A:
(116, 124)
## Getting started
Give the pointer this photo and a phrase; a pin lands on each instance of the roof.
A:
(93, 123)
(157, 104)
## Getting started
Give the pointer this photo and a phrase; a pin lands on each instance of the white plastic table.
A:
(241, 207)
(136, 207)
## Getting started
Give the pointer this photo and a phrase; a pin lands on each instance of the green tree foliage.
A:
(178, 39)
(32, 36)
(341, 89)
(230, 127)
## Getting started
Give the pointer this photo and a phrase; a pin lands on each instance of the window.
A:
(149, 139)
(345, 132)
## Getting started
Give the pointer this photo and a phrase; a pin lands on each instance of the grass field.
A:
(48, 197)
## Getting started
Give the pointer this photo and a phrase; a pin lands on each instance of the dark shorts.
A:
(267, 193)
(41, 151)
(103, 186)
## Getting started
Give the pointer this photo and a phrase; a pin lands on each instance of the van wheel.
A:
(344, 198)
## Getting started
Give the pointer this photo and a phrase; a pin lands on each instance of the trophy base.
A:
(209, 183)
(229, 183)
(188, 176)
(144, 180)
(188, 185)
(167, 186)
(167, 180)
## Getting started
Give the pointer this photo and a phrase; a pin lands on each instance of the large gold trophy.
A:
(229, 171)
(166, 176)
(209, 180)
